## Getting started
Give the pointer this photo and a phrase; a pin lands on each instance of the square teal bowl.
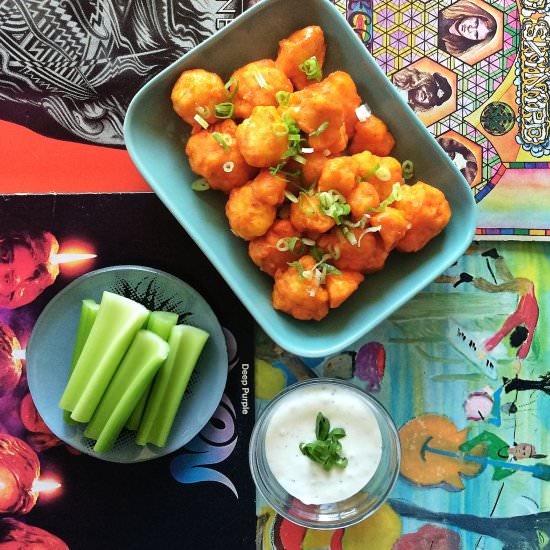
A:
(155, 137)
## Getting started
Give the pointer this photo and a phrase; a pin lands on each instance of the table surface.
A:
(463, 410)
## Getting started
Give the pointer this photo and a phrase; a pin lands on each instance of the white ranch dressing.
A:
(293, 422)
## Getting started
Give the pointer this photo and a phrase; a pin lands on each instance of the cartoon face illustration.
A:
(522, 450)
(424, 90)
(465, 26)
(25, 270)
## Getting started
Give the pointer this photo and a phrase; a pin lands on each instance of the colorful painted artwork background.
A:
(428, 365)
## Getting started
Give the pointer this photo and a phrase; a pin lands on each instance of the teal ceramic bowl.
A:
(156, 137)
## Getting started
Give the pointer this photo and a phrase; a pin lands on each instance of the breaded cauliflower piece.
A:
(297, 48)
(340, 88)
(258, 82)
(393, 224)
(339, 174)
(263, 250)
(300, 296)
(341, 287)
(306, 215)
(362, 198)
(426, 209)
(259, 140)
(372, 135)
(311, 170)
(321, 119)
(382, 172)
(223, 169)
(197, 92)
(366, 256)
(251, 209)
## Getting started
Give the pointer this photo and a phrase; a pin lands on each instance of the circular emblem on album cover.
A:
(498, 118)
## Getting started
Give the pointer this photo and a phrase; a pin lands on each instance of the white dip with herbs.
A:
(293, 422)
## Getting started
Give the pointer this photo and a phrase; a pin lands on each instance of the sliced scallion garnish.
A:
(228, 167)
(200, 185)
(224, 110)
(282, 97)
(201, 121)
(321, 129)
(260, 78)
(221, 140)
(279, 128)
(230, 93)
(203, 111)
(290, 196)
(395, 195)
(334, 204)
(312, 69)
(383, 174)
(408, 169)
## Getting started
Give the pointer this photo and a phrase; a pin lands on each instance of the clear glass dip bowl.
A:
(332, 515)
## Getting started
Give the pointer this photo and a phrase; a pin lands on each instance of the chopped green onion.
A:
(308, 242)
(334, 204)
(383, 174)
(373, 229)
(200, 185)
(280, 129)
(289, 243)
(282, 97)
(224, 110)
(228, 92)
(203, 111)
(408, 169)
(228, 167)
(372, 172)
(222, 140)
(312, 69)
(260, 79)
(300, 159)
(349, 235)
(290, 196)
(299, 266)
(201, 121)
(321, 129)
(395, 195)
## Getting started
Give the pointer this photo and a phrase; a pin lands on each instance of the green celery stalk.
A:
(161, 323)
(140, 364)
(186, 344)
(118, 321)
(88, 313)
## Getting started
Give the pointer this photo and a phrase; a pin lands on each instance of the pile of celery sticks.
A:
(130, 368)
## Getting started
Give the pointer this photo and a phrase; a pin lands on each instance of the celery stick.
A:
(143, 359)
(116, 324)
(88, 314)
(186, 344)
(161, 323)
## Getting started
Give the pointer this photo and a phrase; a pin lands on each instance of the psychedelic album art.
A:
(53, 497)
(463, 369)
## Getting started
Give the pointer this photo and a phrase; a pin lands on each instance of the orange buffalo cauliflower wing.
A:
(299, 295)
(264, 252)
(372, 135)
(297, 48)
(341, 287)
(427, 211)
(306, 215)
(393, 226)
(258, 82)
(196, 92)
(366, 256)
(221, 164)
(311, 170)
(259, 141)
(321, 119)
(388, 171)
(339, 174)
(362, 198)
(251, 209)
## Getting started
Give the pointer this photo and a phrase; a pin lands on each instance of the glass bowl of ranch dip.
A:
(324, 454)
